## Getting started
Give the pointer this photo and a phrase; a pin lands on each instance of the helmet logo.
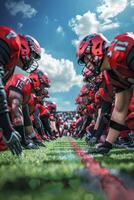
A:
(11, 34)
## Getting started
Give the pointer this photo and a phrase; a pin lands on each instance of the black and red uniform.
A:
(35, 114)
(20, 84)
(10, 47)
(43, 110)
(106, 92)
(18, 89)
(33, 101)
(106, 89)
(41, 120)
(121, 58)
(21, 87)
(45, 118)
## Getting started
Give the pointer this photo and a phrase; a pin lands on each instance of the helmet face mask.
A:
(42, 95)
(89, 75)
(93, 64)
(45, 93)
(30, 53)
(84, 59)
(30, 65)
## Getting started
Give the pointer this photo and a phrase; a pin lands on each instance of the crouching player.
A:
(18, 89)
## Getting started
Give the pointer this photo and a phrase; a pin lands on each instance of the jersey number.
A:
(20, 84)
(121, 46)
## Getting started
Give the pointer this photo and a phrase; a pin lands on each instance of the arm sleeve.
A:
(46, 124)
(130, 59)
(104, 118)
(4, 116)
(4, 53)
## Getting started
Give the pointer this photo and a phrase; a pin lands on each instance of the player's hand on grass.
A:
(13, 142)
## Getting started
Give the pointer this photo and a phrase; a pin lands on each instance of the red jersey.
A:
(20, 84)
(106, 92)
(32, 103)
(42, 109)
(11, 38)
(121, 56)
(90, 108)
(91, 95)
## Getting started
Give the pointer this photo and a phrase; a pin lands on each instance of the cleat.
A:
(92, 141)
(30, 146)
(101, 149)
(38, 142)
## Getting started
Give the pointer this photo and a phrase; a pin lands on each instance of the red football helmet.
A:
(51, 106)
(84, 90)
(30, 52)
(93, 47)
(83, 100)
(78, 100)
(39, 80)
(42, 94)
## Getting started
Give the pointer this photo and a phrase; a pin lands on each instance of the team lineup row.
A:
(106, 100)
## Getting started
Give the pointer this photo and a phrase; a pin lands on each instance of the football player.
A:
(23, 51)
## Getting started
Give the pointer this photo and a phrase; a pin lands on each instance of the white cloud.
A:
(15, 7)
(66, 103)
(60, 71)
(19, 25)
(60, 30)
(108, 25)
(64, 106)
(111, 8)
(88, 23)
(61, 104)
(132, 3)
(83, 24)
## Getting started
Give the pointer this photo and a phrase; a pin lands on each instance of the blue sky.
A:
(59, 25)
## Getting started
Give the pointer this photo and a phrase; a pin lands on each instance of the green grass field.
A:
(55, 172)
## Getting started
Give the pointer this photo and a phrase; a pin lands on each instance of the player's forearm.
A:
(16, 113)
